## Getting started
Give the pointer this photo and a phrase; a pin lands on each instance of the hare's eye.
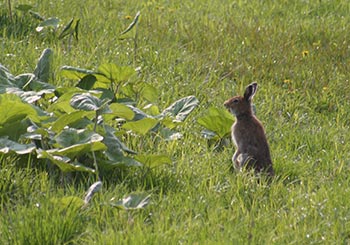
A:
(235, 101)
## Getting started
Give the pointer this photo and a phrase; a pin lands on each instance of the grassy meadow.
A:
(297, 51)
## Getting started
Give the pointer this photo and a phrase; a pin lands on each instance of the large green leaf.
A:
(122, 111)
(181, 108)
(77, 142)
(63, 162)
(87, 82)
(142, 126)
(78, 149)
(88, 102)
(22, 81)
(138, 113)
(102, 82)
(218, 121)
(25, 82)
(30, 96)
(70, 118)
(103, 93)
(152, 161)
(115, 147)
(14, 109)
(26, 86)
(75, 73)
(66, 93)
(72, 136)
(13, 113)
(62, 104)
(114, 152)
(43, 68)
(149, 92)
(34, 132)
(38, 86)
(133, 201)
(29, 82)
(7, 146)
(115, 73)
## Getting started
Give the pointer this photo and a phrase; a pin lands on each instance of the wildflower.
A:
(128, 17)
(287, 81)
(305, 53)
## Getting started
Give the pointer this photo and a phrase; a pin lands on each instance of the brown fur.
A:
(248, 134)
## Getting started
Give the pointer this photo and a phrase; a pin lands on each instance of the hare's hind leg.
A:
(240, 159)
(245, 161)
(235, 161)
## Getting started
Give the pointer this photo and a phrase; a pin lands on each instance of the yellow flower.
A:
(305, 53)
(287, 81)
(128, 17)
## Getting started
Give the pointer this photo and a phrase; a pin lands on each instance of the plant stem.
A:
(96, 167)
(135, 45)
(93, 153)
(10, 9)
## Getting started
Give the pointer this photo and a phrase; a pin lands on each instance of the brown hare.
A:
(248, 135)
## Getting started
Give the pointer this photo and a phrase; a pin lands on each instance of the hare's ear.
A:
(250, 91)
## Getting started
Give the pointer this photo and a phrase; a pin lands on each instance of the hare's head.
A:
(239, 105)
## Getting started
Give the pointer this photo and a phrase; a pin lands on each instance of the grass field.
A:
(297, 51)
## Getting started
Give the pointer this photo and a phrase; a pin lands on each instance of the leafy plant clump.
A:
(82, 128)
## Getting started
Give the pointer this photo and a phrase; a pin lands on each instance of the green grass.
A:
(210, 49)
